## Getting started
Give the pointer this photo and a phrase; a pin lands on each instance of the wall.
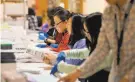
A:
(31, 2)
(90, 6)
(1, 12)
(41, 7)
(76, 6)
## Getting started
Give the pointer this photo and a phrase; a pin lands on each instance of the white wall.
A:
(31, 2)
(1, 12)
(15, 8)
(93, 6)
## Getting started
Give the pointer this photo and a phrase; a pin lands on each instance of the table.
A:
(8, 66)
(43, 76)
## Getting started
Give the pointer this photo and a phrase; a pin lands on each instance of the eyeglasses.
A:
(58, 23)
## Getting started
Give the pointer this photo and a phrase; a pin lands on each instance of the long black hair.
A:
(50, 13)
(77, 27)
(93, 23)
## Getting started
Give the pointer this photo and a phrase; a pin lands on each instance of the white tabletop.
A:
(42, 76)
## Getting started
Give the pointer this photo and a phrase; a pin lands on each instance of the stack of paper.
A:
(39, 52)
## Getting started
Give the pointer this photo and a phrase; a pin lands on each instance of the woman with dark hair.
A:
(77, 41)
(76, 27)
(92, 24)
(50, 35)
(60, 18)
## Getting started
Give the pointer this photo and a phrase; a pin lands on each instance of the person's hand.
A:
(52, 49)
(51, 57)
(46, 60)
(47, 67)
(72, 77)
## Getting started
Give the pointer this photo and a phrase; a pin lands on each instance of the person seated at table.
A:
(73, 58)
(32, 19)
(77, 39)
(60, 18)
(50, 35)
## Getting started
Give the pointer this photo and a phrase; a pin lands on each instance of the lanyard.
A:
(120, 39)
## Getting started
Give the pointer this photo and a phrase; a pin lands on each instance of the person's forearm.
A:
(50, 37)
(51, 41)
(104, 64)
(77, 53)
(92, 65)
(66, 68)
